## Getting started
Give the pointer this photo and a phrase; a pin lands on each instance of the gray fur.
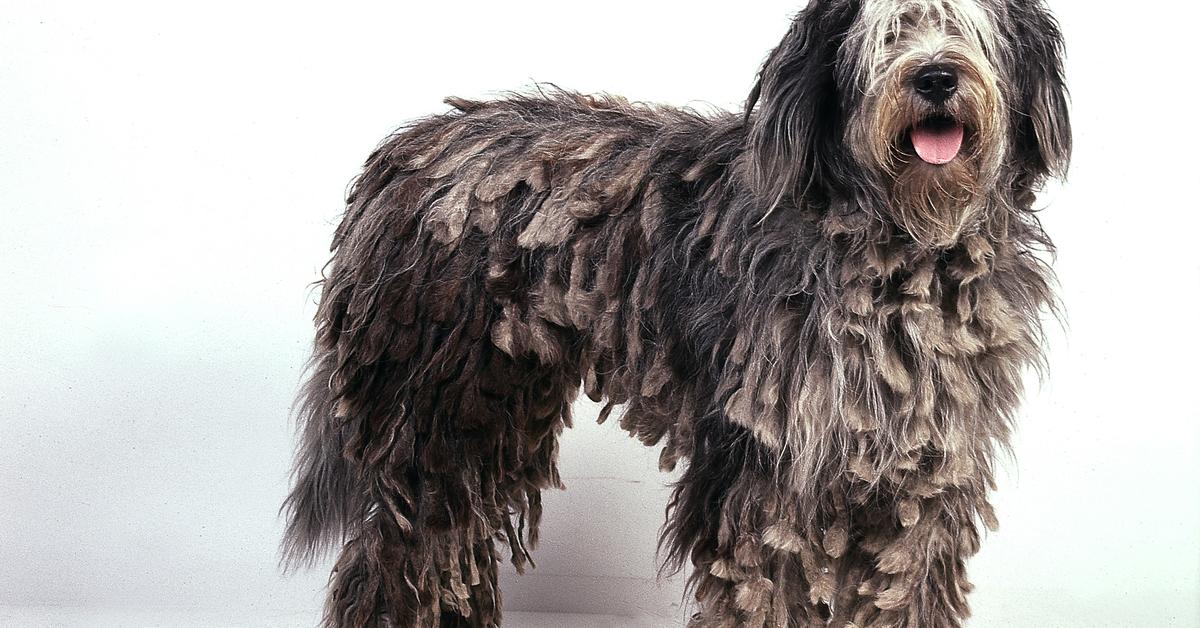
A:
(828, 337)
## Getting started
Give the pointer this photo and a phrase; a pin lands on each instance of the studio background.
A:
(170, 177)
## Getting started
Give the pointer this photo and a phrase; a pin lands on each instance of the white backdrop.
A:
(169, 180)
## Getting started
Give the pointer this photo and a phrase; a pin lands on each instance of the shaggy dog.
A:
(821, 308)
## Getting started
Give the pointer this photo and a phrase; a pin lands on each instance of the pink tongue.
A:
(938, 145)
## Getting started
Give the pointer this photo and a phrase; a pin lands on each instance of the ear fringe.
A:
(793, 111)
(1044, 137)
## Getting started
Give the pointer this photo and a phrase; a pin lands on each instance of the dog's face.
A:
(928, 116)
(926, 104)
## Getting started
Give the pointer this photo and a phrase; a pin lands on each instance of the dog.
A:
(821, 308)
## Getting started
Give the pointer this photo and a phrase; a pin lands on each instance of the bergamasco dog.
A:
(821, 308)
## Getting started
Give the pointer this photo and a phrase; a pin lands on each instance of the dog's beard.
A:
(934, 203)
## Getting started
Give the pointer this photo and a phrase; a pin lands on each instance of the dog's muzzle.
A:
(938, 139)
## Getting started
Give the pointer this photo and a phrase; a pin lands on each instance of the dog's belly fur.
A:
(833, 392)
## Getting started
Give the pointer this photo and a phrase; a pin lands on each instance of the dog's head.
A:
(928, 105)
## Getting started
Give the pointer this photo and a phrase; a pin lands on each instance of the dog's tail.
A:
(323, 499)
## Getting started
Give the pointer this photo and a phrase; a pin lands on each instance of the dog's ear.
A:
(1043, 129)
(793, 113)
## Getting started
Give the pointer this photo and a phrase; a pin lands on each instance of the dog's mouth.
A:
(938, 140)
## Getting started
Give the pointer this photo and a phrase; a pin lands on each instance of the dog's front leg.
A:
(907, 567)
(762, 560)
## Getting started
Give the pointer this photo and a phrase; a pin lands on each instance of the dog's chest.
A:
(904, 357)
(931, 352)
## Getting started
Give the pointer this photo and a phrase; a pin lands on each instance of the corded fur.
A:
(833, 383)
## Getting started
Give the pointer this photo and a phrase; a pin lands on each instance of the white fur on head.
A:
(882, 24)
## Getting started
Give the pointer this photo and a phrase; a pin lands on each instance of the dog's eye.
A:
(890, 38)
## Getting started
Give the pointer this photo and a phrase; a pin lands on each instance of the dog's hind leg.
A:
(425, 444)
(460, 474)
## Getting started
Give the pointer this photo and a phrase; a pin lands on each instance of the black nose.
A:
(936, 83)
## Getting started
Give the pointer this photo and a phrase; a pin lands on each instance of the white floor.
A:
(58, 617)
(1036, 612)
